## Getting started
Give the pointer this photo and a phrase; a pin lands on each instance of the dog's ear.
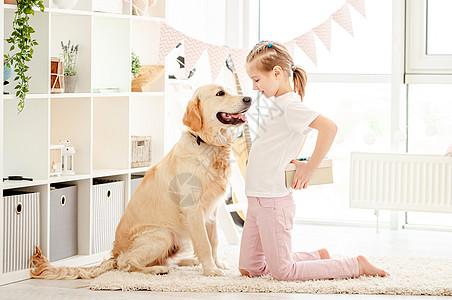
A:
(193, 117)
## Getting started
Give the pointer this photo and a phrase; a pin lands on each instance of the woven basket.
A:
(141, 151)
(148, 74)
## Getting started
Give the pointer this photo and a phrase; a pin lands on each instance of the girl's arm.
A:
(327, 131)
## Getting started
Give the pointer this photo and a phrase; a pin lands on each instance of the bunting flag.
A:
(239, 58)
(359, 5)
(217, 57)
(307, 44)
(193, 51)
(323, 31)
(170, 37)
(342, 17)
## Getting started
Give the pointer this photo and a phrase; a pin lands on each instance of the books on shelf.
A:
(107, 90)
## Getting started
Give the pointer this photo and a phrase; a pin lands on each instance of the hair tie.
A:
(294, 68)
(270, 45)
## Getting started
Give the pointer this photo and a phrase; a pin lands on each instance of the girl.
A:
(266, 240)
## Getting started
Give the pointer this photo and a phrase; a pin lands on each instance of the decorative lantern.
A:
(68, 158)
(56, 160)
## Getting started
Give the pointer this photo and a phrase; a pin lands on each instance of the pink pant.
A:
(266, 245)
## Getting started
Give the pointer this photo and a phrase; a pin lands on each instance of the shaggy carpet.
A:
(409, 276)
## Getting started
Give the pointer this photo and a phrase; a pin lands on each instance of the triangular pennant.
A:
(342, 17)
(306, 43)
(239, 58)
(193, 51)
(323, 31)
(290, 46)
(169, 38)
(359, 5)
(217, 58)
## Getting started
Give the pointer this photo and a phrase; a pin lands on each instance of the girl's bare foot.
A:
(366, 268)
(324, 254)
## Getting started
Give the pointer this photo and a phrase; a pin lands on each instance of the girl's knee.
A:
(283, 273)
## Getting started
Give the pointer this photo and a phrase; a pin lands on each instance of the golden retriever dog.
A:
(174, 207)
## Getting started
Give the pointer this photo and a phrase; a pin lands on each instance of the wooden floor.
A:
(349, 241)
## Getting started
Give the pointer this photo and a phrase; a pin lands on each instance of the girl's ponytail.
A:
(300, 78)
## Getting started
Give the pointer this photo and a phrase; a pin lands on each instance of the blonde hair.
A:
(268, 54)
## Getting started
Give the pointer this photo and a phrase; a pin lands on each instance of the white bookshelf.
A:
(99, 125)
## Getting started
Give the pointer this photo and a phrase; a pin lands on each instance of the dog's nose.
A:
(247, 99)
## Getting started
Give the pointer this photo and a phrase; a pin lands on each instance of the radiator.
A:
(403, 182)
(21, 229)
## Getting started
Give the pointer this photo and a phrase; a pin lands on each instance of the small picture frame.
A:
(56, 75)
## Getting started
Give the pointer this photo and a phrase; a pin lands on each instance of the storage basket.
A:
(108, 207)
(20, 229)
(134, 183)
(63, 222)
(141, 151)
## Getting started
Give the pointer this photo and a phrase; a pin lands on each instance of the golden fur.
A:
(175, 205)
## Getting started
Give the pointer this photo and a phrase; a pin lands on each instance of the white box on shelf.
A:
(109, 6)
(108, 207)
(21, 229)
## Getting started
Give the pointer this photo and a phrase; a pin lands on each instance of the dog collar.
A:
(198, 139)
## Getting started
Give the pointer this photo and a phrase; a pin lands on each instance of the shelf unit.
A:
(99, 125)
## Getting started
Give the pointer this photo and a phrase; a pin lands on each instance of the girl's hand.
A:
(302, 175)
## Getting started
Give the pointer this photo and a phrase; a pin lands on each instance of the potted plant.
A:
(70, 59)
(21, 39)
(136, 65)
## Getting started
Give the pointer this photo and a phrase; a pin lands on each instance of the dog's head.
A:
(212, 109)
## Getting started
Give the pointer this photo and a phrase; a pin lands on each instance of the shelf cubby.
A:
(25, 139)
(40, 63)
(111, 53)
(70, 119)
(145, 44)
(110, 133)
(77, 29)
(142, 124)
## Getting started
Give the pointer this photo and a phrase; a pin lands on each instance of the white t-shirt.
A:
(278, 141)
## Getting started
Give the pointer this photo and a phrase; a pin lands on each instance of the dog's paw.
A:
(213, 272)
(221, 265)
(156, 270)
(188, 262)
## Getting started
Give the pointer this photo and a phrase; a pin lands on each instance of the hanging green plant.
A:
(21, 39)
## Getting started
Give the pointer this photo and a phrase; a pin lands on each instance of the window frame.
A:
(421, 67)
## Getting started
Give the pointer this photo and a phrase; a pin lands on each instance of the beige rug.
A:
(409, 276)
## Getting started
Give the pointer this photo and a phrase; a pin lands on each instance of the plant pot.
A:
(69, 83)
(7, 71)
(64, 4)
(14, 2)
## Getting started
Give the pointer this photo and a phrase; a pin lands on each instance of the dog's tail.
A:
(44, 270)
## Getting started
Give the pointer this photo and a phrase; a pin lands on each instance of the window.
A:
(428, 41)
(429, 118)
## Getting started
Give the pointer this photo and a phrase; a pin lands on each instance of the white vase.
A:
(64, 4)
